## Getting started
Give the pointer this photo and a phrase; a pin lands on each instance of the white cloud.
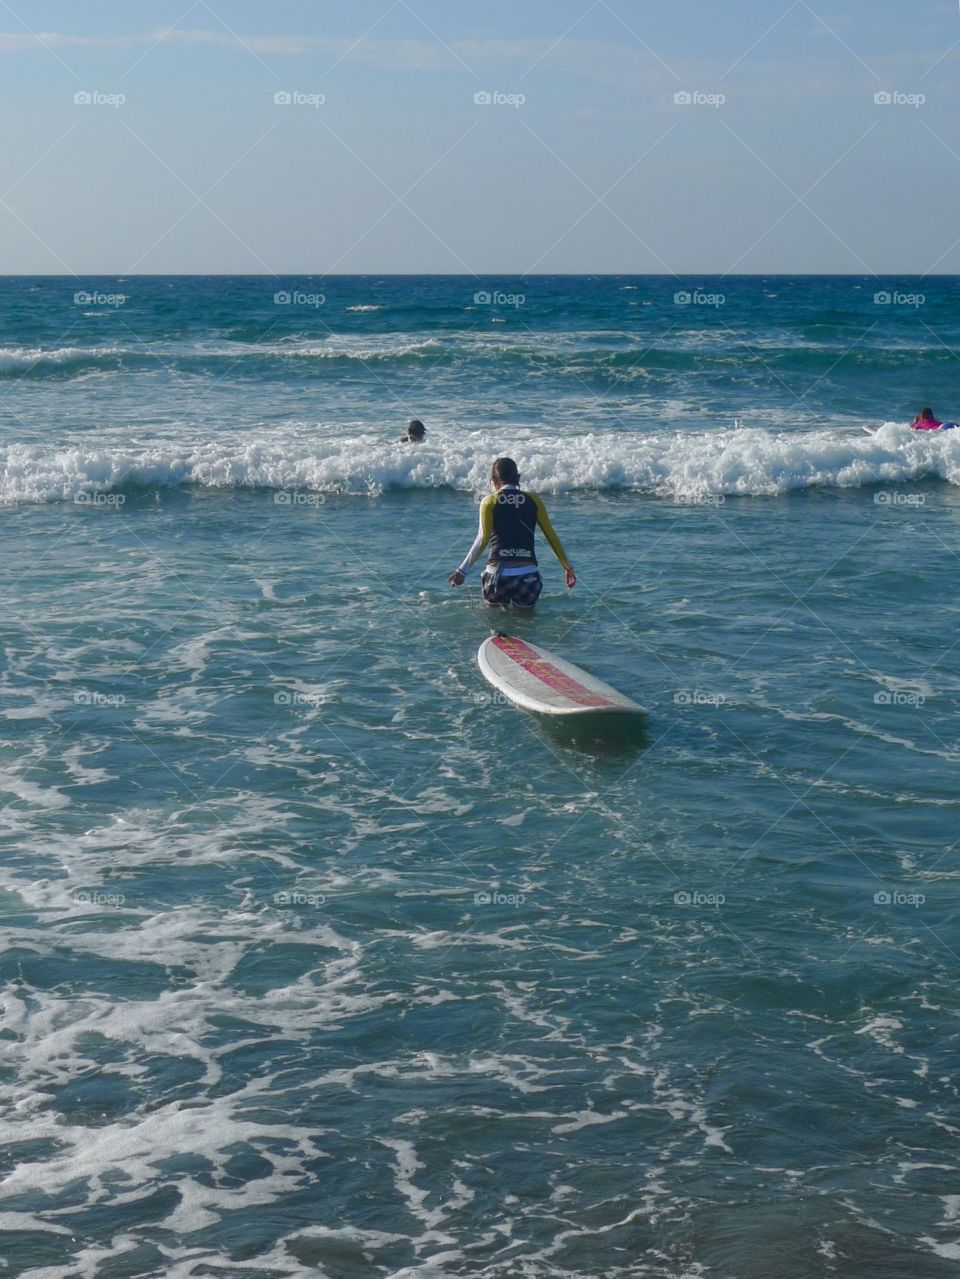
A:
(624, 66)
(400, 54)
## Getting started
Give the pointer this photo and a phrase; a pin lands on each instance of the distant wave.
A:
(607, 357)
(20, 360)
(24, 361)
(680, 466)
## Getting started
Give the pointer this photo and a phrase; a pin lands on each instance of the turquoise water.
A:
(320, 960)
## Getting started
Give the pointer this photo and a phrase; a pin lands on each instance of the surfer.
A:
(925, 421)
(508, 521)
(416, 432)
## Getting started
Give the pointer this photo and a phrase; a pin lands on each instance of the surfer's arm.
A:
(543, 519)
(482, 538)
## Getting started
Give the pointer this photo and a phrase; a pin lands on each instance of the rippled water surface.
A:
(321, 960)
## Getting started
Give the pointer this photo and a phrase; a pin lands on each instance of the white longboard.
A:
(538, 681)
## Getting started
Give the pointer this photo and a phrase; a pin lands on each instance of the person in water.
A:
(925, 421)
(508, 521)
(416, 432)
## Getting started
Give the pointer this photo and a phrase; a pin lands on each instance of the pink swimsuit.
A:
(925, 425)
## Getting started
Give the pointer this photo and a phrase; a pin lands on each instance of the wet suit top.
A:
(508, 520)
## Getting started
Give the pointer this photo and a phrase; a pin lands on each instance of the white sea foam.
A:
(881, 1030)
(684, 466)
(407, 1165)
(951, 1251)
(21, 359)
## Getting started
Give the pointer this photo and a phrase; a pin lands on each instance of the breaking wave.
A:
(684, 465)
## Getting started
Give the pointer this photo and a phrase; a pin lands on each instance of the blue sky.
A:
(586, 159)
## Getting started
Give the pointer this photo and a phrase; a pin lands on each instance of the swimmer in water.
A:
(925, 421)
(416, 432)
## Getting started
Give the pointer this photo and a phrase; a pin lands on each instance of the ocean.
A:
(320, 960)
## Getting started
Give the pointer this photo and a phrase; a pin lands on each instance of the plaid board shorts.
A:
(521, 590)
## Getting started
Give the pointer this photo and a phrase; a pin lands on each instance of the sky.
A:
(532, 137)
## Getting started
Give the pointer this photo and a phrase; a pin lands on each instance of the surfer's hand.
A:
(456, 578)
(571, 579)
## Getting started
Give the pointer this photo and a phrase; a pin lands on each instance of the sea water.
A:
(320, 960)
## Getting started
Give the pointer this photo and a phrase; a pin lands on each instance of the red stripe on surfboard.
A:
(526, 657)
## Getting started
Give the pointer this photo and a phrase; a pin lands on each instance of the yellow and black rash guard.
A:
(508, 520)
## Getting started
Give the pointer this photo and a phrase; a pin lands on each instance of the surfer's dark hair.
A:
(415, 428)
(505, 471)
(925, 415)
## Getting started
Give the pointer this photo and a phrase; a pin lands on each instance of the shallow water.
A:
(320, 960)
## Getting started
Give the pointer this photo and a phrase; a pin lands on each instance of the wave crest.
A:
(680, 465)
(24, 361)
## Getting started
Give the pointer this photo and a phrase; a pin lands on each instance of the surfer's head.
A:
(925, 415)
(416, 431)
(504, 471)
